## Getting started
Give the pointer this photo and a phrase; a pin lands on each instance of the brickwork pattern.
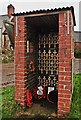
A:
(65, 56)
(20, 61)
(66, 53)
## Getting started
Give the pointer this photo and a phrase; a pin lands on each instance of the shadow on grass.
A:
(36, 117)
(41, 110)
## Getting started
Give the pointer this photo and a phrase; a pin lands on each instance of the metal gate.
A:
(48, 60)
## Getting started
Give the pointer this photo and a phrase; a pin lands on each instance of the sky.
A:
(30, 5)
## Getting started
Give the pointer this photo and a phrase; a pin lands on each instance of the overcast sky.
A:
(29, 5)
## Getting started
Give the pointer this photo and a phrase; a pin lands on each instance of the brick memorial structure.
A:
(44, 49)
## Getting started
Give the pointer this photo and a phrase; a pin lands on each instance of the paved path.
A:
(77, 66)
(7, 70)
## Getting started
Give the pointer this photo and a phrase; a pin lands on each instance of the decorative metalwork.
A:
(48, 60)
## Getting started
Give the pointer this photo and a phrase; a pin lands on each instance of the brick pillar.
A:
(65, 70)
(20, 60)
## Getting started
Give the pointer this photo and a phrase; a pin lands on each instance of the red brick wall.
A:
(65, 56)
(20, 61)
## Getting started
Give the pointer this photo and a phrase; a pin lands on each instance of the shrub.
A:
(77, 53)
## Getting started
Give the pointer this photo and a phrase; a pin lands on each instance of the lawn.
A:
(10, 107)
(76, 98)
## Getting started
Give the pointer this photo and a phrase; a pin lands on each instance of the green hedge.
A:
(77, 53)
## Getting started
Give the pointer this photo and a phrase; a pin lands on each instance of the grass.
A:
(76, 98)
(7, 60)
(7, 55)
(10, 107)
